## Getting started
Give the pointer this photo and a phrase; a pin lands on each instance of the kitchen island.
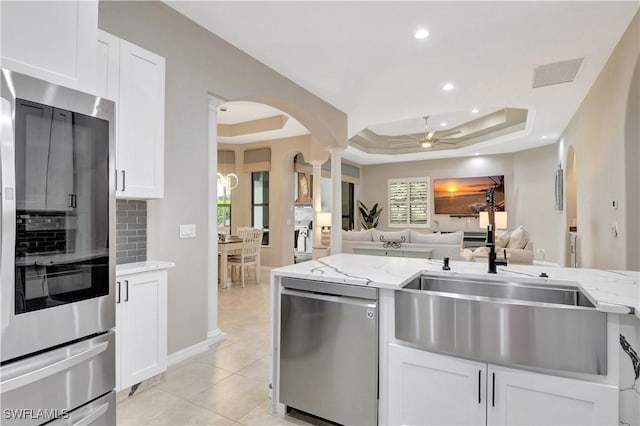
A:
(614, 293)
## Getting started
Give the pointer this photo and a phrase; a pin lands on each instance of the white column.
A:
(213, 332)
(336, 200)
(317, 201)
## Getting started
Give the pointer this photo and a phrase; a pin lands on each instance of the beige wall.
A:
(199, 63)
(529, 190)
(604, 134)
(374, 182)
(281, 195)
(534, 200)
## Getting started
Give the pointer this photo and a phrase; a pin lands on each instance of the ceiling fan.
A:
(428, 140)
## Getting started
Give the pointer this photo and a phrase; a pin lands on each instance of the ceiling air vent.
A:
(556, 73)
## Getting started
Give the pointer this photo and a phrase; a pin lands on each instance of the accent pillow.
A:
(502, 241)
(437, 238)
(519, 238)
(391, 235)
(357, 235)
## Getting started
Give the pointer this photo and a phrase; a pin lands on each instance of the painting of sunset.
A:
(466, 195)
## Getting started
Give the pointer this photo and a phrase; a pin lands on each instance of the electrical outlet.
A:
(615, 204)
(188, 231)
(614, 229)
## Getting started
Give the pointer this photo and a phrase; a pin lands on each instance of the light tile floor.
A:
(227, 384)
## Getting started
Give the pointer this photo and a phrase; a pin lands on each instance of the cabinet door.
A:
(140, 123)
(144, 326)
(51, 40)
(431, 389)
(108, 66)
(519, 397)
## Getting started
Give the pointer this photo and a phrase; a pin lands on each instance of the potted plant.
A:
(369, 216)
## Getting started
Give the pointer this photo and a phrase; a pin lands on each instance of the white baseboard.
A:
(214, 336)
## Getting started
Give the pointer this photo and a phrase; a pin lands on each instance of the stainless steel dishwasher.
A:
(329, 350)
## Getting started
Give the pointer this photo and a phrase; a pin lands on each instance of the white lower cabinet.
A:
(141, 327)
(432, 389)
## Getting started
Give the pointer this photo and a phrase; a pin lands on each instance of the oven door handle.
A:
(51, 369)
(8, 219)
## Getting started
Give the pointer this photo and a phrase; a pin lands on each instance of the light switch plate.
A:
(188, 231)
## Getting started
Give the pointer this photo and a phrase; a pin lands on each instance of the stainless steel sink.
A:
(526, 322)
(508, 289)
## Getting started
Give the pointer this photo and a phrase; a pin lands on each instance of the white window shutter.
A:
(409, 202)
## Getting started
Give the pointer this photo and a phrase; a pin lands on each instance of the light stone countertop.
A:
(137, 267)
(610, 291)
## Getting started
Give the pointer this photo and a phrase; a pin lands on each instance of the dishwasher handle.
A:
(365, 303)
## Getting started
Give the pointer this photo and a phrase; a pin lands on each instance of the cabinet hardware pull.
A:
(118, 292)
(124, 179)
(126, 283)
(479, 386)
(493, 390)
(70, 203)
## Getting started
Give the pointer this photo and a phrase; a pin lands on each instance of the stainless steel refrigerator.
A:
(57, 257)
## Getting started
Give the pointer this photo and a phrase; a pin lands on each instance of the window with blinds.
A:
(409, 202)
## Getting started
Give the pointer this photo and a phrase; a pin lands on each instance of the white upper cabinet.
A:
(134, 78)
(107, 66)
(51, 40)
(141, 123)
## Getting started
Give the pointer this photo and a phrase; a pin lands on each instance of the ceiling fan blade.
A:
(446, 143)
(430, 134)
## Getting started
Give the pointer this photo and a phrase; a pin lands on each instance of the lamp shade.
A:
(324, 219)
(500, 218)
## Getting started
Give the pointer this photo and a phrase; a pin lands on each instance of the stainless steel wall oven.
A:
(57, 257)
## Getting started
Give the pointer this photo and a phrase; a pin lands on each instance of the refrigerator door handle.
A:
(8, 220)
(52, 368)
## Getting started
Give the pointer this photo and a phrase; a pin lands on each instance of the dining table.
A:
(229, 246)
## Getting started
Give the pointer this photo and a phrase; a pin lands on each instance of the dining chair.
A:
(248, 255)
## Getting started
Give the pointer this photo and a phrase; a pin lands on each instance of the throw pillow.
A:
(519, 238)
(357, 236)
(502, 241)
(438, 238)
(391, 235)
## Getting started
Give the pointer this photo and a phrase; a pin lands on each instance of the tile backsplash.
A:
(131, 231)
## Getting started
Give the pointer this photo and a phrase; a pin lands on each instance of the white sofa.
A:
(441, 245)
(517, 243)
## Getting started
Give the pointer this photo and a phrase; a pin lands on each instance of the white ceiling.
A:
(362, 57)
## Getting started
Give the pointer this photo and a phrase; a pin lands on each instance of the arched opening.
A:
(571, 207)
(303, 210)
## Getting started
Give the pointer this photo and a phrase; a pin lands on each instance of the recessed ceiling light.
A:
(447, 87)
(421, 34)
(544, 137)
(477, 153)
(426, 144)
(443, 124)
(475, 111)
